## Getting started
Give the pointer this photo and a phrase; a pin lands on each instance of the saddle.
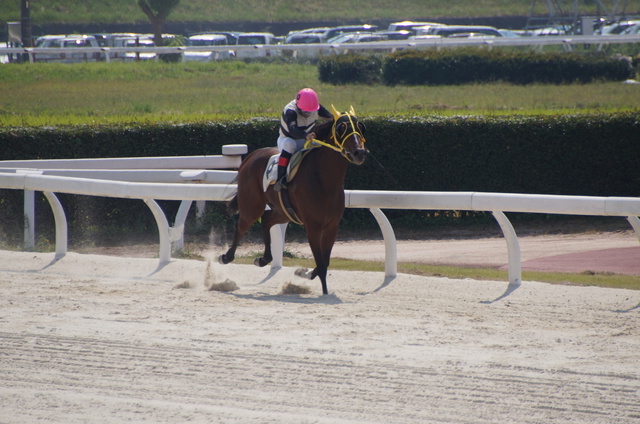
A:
(270, 176)
(271, 172)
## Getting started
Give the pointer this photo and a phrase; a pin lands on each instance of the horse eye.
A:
(362, 128)
(342, 127)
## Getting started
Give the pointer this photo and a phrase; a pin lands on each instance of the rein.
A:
(339, 146)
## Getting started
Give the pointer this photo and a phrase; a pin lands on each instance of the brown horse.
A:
(316, 192)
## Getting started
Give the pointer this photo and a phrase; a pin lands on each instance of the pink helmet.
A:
(307, 100)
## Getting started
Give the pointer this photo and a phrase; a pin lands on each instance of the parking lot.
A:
(310, 42)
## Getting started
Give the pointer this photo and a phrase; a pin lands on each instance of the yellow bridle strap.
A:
(339, 147)
(310, 144)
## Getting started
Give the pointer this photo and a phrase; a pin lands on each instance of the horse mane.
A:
(323, 131)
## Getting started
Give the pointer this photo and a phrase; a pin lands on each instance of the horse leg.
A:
(321, 243)
(231, 253)
(320, 270)
(268, 221)
(242, 226)
(328, 241)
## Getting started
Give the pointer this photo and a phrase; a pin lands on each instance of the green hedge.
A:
(464, 66)
(350, 69)
(132, 141)
(573, 155)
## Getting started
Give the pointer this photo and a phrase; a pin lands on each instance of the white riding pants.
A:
(290, 145)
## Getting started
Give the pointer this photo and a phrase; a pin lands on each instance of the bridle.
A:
(341, 139)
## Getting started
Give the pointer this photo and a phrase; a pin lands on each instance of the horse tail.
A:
(232, 204)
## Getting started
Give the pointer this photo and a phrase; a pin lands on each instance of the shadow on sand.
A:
(510, 289)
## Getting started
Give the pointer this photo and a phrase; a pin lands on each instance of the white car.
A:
(460, 30)
(618, 27)
(45, 40)
(632, 30)
(72, 41)
(206, 40)
(357, 37)
(138, 56)
(410, 26)
(129, 40)
(259, 41)
(353, 38)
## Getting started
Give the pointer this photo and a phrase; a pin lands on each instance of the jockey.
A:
(298, 120)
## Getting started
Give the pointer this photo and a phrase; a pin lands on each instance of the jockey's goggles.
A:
(304, 113)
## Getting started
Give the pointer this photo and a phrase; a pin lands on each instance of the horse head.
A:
(348, 136)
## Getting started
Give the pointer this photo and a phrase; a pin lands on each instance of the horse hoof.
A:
(260, 262)
(223, 259)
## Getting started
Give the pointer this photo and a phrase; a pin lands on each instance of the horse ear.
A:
(335, 113)
(352, 111)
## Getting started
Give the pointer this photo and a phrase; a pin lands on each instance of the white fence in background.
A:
(497, 204)
(139, 178)
(384, 46)
(216, 185)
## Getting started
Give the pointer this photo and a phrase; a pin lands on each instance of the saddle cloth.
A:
(271, 172)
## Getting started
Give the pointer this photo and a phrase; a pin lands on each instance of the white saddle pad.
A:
(271, 172)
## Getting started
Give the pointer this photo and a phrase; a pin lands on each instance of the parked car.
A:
(120, 41)
(409, 26)
(450, 30)
(424, 29)
(632, 30)
(71, 41)
(470, 35)
(232, 36)
(45, 40)
(354, 38)
(510, 33)
(332, 32)
(101, 39)
(424, 37)
(320, 30)
(136, 42)
(110, 39)
(206, 40)
(303, 38)
(617, 27)
(395, 35)
(259, 40)
(549, 31)
(357, 37)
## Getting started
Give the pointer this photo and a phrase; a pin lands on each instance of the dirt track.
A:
(102, 339)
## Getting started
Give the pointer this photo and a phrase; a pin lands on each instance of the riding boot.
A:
(281, 179)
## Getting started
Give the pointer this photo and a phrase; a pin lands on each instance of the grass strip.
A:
(129, 93)
(606, 280)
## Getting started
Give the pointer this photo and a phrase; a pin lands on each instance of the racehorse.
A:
(316, 193)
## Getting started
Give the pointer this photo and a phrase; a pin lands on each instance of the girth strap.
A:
(287, 208)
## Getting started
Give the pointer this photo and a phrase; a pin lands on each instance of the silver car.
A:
(201, 41)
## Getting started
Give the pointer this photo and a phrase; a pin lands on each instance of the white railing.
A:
(219, 187)
(497, 204)
(146, 178)
(148, 192)
(324, 48)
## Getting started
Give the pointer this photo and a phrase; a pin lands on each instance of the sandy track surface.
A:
(480, 251)
(94, 338)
